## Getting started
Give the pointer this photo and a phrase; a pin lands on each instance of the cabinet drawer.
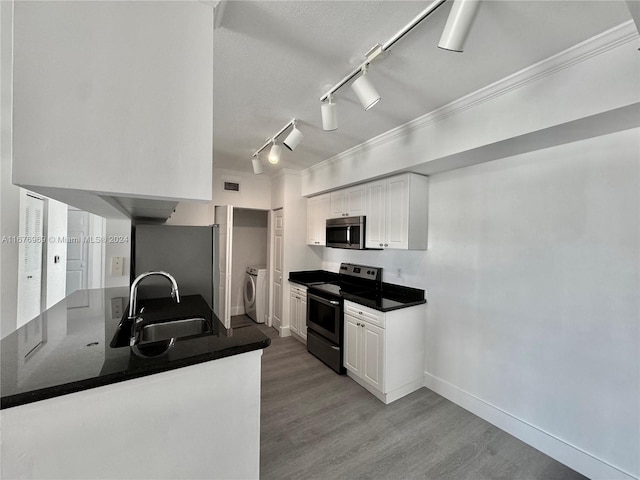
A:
(366, 314)
(298, 290)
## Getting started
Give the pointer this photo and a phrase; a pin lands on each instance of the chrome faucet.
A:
(134, 289)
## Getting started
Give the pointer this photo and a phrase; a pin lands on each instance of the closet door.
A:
(222, 308)
(30, 255)
(278, 265)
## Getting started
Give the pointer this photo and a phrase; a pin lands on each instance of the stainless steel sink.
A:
(186, 327)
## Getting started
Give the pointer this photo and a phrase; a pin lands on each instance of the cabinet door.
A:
(322, 213)
(302, 316)
(312, 221)
(373, 355)
(338, 204)
(352, 344)
(397, 212)
(293, 312)
(318, 210)
(376, 193)
(356, 199)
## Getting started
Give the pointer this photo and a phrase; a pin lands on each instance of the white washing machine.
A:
(255, 293)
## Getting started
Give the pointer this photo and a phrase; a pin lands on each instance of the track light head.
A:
(257, 165)
(365, 91)
(458, 25)
(293, 139)
(329, 115)
(274, 153)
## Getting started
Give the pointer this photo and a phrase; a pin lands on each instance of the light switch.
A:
(117, 266)
(116, 307)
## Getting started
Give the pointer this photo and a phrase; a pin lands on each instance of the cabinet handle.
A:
(362, 325)
(360, 313)
(358, 324)
(381, 245)
(386, 244)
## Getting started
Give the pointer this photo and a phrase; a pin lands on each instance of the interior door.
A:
(77, 250)
(224, 219)
(30, 254)
(278, 266)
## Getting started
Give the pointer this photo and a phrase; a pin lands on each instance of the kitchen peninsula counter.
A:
(66, 349)
(75, 407)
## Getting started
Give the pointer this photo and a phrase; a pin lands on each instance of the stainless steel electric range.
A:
(325, 302)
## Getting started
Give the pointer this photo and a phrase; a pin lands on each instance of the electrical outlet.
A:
(117, 266)
(116, 307)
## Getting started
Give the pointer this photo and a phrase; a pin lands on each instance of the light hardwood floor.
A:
(316, 424)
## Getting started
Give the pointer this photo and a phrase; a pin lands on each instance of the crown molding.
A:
(608, 40)
(285, 171)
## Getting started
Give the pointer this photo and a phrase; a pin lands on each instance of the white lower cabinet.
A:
(384, 352)
(298, 310)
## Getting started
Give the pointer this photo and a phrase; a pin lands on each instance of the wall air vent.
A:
(232, 186)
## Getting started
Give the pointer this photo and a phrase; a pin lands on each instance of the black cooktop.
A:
(352, 279)
(337, 289)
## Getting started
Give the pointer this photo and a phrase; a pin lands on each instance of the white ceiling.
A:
(273, 60)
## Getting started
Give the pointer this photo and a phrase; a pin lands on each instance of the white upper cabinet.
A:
(349, 202)
(113, 99)
(397, 212)
(317, 214)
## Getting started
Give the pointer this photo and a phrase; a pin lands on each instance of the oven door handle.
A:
(349, 234)
(311, 296)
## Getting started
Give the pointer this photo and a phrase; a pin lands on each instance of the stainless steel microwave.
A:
(346, 232)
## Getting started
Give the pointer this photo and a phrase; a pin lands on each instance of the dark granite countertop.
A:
(311, 277)
(67, 348)
(391, 297)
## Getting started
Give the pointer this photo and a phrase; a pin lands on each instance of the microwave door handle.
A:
(349, 235)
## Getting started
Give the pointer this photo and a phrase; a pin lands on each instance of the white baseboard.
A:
(390, 397)
(564, 452)
(285, 331)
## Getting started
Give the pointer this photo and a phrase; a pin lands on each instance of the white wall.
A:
(255, 192)
(9, 194)
(116, 95)
(412, 264)
(589, 90)
(80, 435)
(532, 272)
(532, 279)
(118, 234)
(533, 275)
(56, 272)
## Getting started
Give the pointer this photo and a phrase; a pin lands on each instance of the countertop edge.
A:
(87, 384)
(398, 307)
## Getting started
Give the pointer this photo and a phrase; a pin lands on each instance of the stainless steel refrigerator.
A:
(189, 253)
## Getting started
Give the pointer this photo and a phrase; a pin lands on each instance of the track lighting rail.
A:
(270, 140)
(386, 46)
